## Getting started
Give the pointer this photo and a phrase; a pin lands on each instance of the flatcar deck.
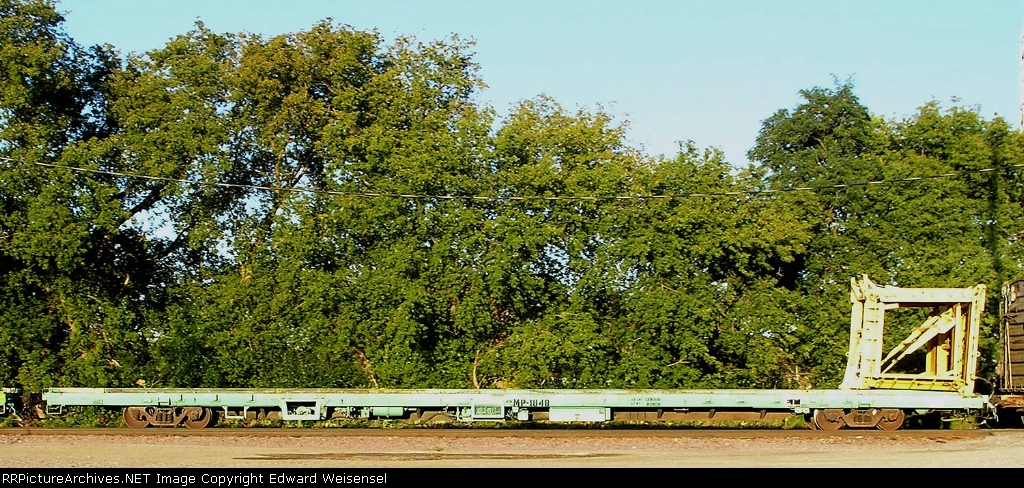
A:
(174, 406)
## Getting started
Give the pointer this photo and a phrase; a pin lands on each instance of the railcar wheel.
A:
(199, 418)
(891, 419)
(135, 418)
(829, 419)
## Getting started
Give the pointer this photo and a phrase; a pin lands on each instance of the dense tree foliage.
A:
(325, 209)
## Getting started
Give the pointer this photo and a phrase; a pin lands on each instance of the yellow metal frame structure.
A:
(949, 336)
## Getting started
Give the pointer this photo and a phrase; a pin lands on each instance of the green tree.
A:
(78, 286)
(915, 230)
(957, 230)
(827, 140)
(688, 266)
(324, 274)
(566, 168)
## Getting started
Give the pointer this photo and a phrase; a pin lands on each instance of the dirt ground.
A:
(715, 449)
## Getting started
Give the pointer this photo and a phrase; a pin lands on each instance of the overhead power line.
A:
(414, 196)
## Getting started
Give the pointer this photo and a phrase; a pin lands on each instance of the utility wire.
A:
(412, 196)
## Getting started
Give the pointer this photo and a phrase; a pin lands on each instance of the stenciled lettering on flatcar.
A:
(532, 403)
(645, 402)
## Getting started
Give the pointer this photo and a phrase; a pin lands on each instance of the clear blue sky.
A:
(704, 70)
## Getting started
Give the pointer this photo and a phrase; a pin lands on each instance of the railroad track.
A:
(682, 433)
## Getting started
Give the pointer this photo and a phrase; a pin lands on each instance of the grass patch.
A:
(83, 417)
(796, 422)
(960, 424)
